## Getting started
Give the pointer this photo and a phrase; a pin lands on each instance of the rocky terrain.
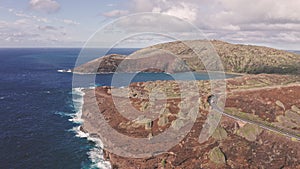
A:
(269, 100)
(182, 56)
(258, 128)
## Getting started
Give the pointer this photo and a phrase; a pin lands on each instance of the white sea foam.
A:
(96, 153)
(96, 156)
(64, 71)
(79, 133)
(64, 114)
(78, 103)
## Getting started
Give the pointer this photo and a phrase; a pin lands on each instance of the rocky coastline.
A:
(269, 99)
(266, 99)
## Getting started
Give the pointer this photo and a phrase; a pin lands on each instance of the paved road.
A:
(212, 100)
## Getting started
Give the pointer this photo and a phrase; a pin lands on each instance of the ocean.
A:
(39, 115)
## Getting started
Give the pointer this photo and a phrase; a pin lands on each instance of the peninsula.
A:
(259, 127)
(235, 58)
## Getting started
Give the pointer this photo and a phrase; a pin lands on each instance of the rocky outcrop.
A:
(249, 131)
(266, 99)
(217, 156)
(234, 144)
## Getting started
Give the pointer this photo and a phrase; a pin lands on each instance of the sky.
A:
(71, 23)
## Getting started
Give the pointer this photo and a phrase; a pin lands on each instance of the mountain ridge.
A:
(235, 58)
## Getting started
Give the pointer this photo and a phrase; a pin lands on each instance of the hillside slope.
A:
(103, 64)
(235, 58)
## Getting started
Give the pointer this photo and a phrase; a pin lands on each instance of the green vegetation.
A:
(193, 54)
(163, 162)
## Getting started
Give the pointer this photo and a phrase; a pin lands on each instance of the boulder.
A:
(220, 133)
(217, 156)
(280, 104)
(249, 132)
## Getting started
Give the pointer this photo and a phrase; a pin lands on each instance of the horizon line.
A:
(76, 47)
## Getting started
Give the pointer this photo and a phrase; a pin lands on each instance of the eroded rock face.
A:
(233, 144)
(105, 64)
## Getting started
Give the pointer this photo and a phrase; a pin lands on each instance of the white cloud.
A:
(17, 31)
(160, 23)
(47, 28)
(243, 21)
(267, 12)
(272, 27)
(183, 11)
(143, 5)
(48, 6)
(111, 5)
(3, 24)
(228, 15)
(115, 13)
(70, 22)
(21, 14)
(22, 22)
(288, 36)
(26, 31)
(262, 11)
(231, 27)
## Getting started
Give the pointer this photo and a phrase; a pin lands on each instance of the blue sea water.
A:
(35, 101)
(36, 105)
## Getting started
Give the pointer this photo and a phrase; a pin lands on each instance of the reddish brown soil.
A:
(269, 150)
(261, 102)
